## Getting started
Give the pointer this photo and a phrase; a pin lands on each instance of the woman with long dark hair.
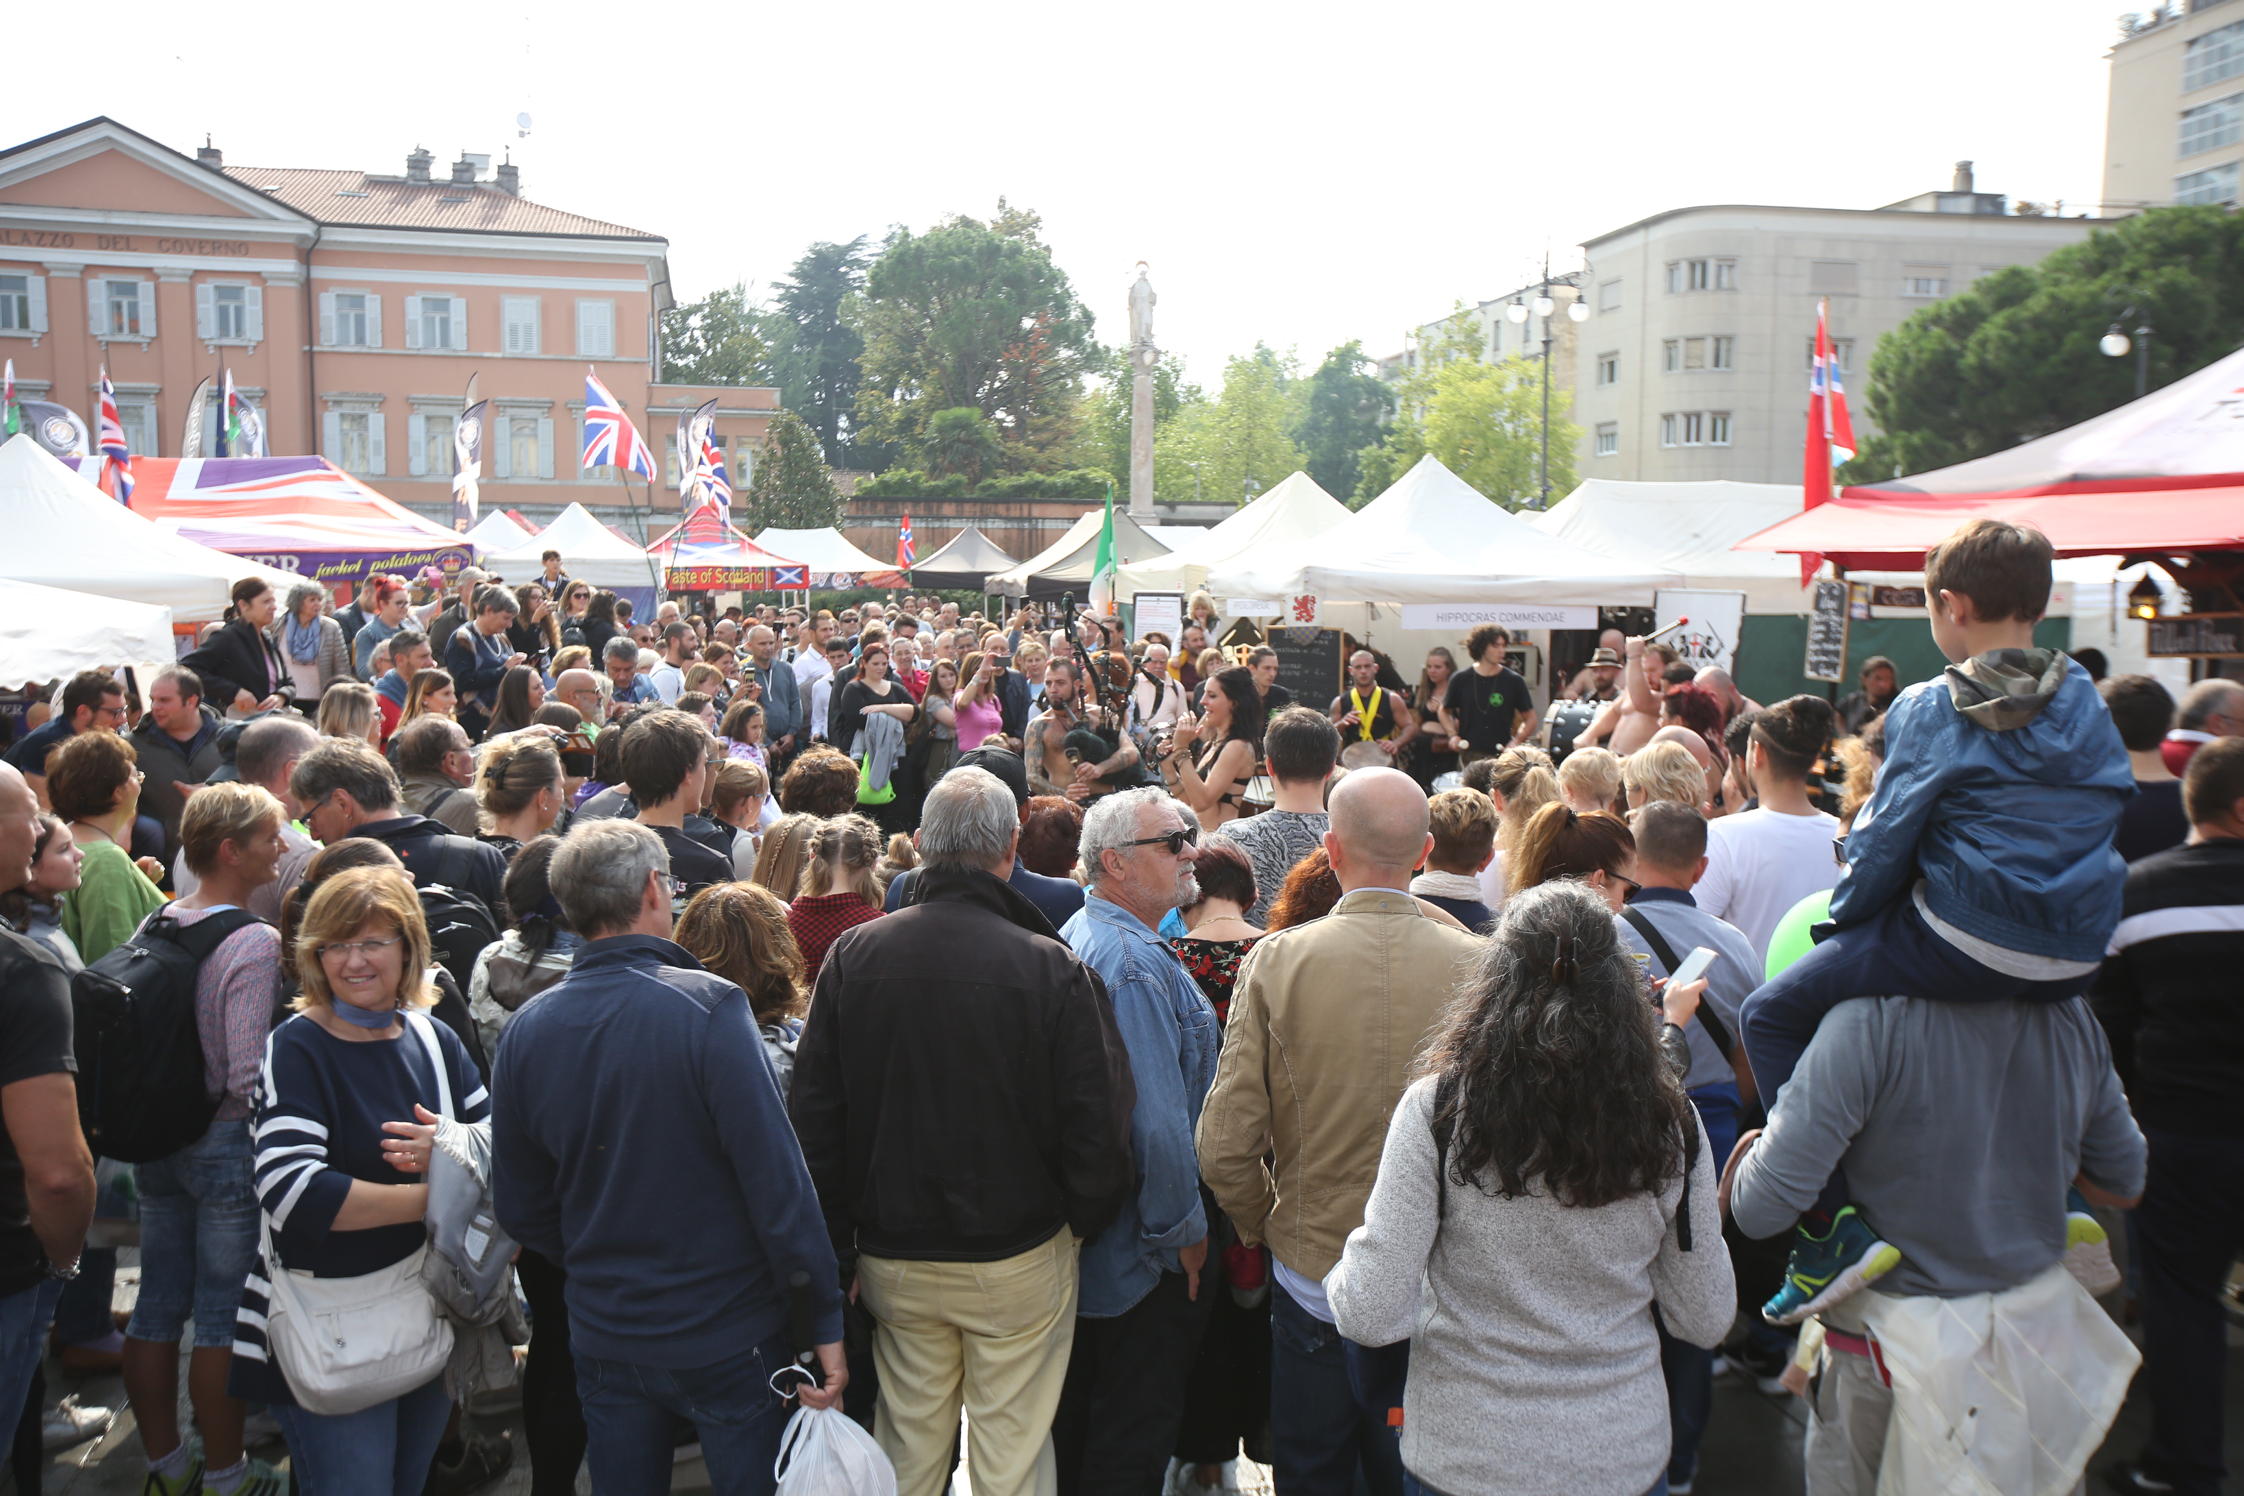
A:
(535, 633)
(521, 693)
(599, 624)
(241, 667)
(1231, 724)
(1430, 753)
(1544, 1187)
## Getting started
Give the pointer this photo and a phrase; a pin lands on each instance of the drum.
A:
(1363, 755)
(1568, 720)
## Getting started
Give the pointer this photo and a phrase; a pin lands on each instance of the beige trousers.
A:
(992, 1337)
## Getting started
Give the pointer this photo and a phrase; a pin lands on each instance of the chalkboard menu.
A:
(1309, 664)
(1827, 633)
(2198, 636)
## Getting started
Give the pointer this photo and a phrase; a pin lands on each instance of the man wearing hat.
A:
(1600, 679)
(1057, 899)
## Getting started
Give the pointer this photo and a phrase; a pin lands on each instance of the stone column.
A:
(1143, 356)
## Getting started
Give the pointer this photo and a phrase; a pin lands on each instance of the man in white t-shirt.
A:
(1762, 862)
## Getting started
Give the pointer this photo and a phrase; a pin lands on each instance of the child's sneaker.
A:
(1824, 1270)
(2088, 1249)
(188, 1481)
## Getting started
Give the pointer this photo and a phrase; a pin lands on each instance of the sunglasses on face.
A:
(1176, 841)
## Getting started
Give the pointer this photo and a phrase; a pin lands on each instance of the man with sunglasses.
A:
(1142, 1305)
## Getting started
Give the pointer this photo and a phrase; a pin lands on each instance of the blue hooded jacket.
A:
(2001, 788)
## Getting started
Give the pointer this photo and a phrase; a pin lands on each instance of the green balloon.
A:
(1791, 940)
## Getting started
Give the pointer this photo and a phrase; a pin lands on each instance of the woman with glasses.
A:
(353, 1085)
(1545, 1204)
(93, 782)
(1596, 850)
(576, 599)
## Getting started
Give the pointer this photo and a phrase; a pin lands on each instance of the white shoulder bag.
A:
(347, 1344)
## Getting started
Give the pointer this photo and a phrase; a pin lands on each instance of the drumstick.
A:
(1663, 633)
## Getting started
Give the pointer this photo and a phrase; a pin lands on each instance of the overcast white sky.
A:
(1297, 174)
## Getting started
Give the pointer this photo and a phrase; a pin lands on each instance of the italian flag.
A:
(1102, 568)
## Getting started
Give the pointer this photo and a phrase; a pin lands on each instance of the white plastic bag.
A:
(824, 1453)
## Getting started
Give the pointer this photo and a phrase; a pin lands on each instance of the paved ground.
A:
(1752, 1447)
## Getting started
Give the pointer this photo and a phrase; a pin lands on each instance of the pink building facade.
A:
(351, 307)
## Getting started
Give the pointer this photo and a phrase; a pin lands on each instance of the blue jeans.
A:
(631, 1411)
(24, 1317)
(1320, 1431)
(385, 1450)
(198, 1237)
(1895, 954)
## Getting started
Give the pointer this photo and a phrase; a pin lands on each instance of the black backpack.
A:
(460, 927)
(140, 1060)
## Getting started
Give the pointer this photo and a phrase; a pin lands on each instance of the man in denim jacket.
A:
(1142, 1306)
(1982, 869)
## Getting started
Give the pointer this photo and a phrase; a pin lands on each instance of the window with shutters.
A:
(436, 443)
(354, 441)
(124, 310)
(522, 446)
(1608, 439)
(436, 322)
(15, 304)
(137, 414)
(596, 329)
(350, 319)
(519, 314)
(229, 306)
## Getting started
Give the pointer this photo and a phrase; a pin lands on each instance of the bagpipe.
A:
(1105, 679)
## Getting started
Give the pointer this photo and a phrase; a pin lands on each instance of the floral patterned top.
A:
(1214, 964)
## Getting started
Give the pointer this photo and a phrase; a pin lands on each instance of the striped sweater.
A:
(321, 1103)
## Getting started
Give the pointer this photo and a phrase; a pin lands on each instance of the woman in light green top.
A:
(93, 782)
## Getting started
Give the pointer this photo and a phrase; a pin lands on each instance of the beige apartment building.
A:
(2175, 132)
(351, 307)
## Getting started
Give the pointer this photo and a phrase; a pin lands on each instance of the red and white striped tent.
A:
(704, 553)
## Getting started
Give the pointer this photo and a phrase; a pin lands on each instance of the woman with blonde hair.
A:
(1663, 771)
(430, 692)
(350, 709)
(1521, 782)
(743, 934)
(785, 853)
(1589, 779)
(740, 795)
(838, 892)
(519, 789)
(353, 1086)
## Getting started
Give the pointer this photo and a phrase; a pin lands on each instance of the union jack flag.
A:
(610, 440)
(716, 483)
(905, 553)
(790, 578)
(116, 452)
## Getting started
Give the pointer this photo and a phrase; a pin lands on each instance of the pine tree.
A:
(792, 488)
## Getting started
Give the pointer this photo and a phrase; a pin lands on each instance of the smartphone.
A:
(1694, 966)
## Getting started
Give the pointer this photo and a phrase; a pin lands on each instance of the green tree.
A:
(1345, 408)
(717, 340)
(792, 487)
(815, 346)
(1484, 422)
(2015, 356)
(1102, 437)
(973, 314)
(1237, 443)
(962, 441)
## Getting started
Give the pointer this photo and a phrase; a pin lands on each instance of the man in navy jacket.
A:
(639, 1141)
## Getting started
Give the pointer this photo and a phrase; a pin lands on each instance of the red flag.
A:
(1829, 428)
(906, 552)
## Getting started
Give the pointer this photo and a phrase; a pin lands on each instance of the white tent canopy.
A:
(47, 633)
(590, 553)
(1433, 538)
(825, 550)
(64, 532)
(1296, 510)
(497, 531)
(1067, 561)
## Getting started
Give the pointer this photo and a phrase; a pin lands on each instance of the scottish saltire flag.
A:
(610, 440)
(905, 553)
(116, 452)
(11, 414)
(790, 578)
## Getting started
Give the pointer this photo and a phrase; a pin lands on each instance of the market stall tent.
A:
(967, 560)
(1295, 510)
(705, 552)
(828, 552)
(65, 532)
(1067, 562)
(498, 532)
(302, 513)
(48, 633)
(590, 553)
(2158, 475)
(1433, 538)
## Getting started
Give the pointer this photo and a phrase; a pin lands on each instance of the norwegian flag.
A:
(905, 553)
(116, 452)
(790, 578)
(1830, 428)
(610, 440)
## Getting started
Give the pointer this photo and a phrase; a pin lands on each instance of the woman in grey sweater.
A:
(1579, 1193)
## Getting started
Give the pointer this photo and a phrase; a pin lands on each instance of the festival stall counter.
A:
(65, 532)
(299, 514)
(705, 553)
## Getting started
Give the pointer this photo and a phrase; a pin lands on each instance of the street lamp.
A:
(1543, 306)
(2116, 344)
(2143, 598)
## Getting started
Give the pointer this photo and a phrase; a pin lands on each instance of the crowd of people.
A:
(913, 1014)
